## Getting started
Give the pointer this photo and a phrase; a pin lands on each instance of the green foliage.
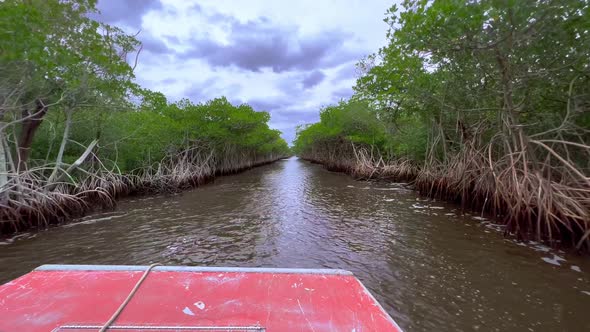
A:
(137, 138)
(54, 55)
(474, 69)
(466, 73)
(57, 53)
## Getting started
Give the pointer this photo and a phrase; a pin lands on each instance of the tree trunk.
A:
(28, 129)
(62, 147)
(3, 171)
(75, 165)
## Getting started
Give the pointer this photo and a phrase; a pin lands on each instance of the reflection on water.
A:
(431, 267)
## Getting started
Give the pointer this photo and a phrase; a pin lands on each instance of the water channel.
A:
(431, 266)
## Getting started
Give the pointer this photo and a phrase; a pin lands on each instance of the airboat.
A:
(182, 298)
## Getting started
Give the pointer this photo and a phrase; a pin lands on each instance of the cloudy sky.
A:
(287, 58)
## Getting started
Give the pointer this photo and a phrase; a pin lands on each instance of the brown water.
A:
(431, 267)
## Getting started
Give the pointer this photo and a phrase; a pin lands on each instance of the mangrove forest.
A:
(483, 103)
(77, 131)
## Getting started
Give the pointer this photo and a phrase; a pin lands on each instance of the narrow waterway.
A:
(430, 266)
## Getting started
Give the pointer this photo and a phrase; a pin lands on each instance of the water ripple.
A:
(432, 267)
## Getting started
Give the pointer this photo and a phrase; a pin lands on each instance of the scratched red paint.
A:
(45, 300)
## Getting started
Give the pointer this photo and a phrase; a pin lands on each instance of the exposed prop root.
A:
(32, 202)
(547, 201)
(543, 201)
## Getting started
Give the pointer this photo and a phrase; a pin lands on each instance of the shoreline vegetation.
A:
(484, 103)
(43, 208)
(76, 131)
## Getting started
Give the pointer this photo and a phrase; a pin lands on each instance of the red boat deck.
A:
(83, 298)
